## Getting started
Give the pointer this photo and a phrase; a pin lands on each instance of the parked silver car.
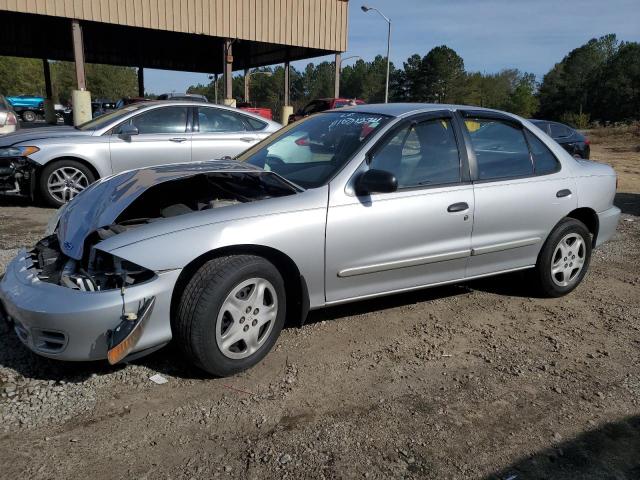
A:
(8, 119)
(60, 162)
(389, 198)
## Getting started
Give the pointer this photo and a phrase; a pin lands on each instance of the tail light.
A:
(587, 141)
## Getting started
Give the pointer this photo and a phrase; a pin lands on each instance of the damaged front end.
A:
(103, 305)
(17, 175)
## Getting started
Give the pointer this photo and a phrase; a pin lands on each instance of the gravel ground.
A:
(470, 381)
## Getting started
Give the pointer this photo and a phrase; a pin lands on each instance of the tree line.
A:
(599, 80)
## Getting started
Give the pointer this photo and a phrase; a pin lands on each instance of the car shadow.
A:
(629, 203)
(611, 451)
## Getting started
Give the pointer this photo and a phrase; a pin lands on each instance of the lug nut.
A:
(248, 310)
(246, 327)
(241, 319)
(254, 323)
(255, 312)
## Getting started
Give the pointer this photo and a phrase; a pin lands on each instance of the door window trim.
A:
(461, 115)
(188, 126)
(407, 122)
(242, 117)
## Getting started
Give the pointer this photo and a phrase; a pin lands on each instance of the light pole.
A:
(246, 83)
(338, 67)
(365, 9)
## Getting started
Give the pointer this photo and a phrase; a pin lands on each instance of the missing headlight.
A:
(110, 272)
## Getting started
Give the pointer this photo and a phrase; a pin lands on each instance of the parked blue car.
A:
(27, 106)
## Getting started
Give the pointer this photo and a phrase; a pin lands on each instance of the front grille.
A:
(48, 341)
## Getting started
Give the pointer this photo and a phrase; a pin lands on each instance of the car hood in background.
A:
(34, 134)
(101, 203)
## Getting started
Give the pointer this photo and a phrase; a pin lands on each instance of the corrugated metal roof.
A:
(316, 24)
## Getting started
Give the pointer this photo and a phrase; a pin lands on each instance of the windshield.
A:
(311, 151)
(108, 118)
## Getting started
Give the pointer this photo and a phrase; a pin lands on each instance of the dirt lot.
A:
(470, 381)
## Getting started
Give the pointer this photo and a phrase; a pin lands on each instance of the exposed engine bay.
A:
(98, 270)
(16, 176)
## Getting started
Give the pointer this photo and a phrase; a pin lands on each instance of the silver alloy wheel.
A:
(65, 183)
(568, 259)
(246, 318)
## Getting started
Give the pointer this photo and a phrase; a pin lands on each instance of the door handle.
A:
(563, 193)
(248, 139)
(178, 139)
(458, 207)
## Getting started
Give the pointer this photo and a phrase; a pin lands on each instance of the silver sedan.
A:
(342, 206)
(60, 162)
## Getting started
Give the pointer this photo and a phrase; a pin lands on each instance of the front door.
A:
(418, 235)
(521, 192)
(162, 138)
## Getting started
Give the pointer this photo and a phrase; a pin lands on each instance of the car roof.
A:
(404, 109)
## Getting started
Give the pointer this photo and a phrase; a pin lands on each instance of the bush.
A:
(576, 120)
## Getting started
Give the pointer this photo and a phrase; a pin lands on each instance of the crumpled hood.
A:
(101, 203)
(34, 134)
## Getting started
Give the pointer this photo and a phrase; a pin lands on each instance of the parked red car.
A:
(321, 105)
(263, 112)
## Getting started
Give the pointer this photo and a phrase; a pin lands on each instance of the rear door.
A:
(520, 192)
(163, 137)
(220, 133)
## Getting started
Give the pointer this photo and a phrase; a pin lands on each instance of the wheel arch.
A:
(295, 284)
(589, 217)
(81, 160)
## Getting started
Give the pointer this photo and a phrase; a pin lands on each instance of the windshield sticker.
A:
(346, 119)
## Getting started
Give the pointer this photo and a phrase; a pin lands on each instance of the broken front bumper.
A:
(67, 324)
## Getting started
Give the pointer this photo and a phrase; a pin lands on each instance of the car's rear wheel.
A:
(62, 180)
(231, 313)
(564, 259)
(29, 116)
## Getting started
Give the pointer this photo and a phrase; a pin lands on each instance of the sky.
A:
(490, 35)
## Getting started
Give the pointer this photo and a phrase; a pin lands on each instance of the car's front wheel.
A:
(62, 180)
(231, 313)
(564, 259)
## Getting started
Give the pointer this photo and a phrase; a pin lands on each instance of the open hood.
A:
(101, 203)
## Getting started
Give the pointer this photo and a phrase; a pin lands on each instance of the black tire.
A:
(194, 327)
(51, 167)
(543, 271)
(29, 116)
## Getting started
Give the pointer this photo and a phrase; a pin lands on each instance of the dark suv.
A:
(571, 140)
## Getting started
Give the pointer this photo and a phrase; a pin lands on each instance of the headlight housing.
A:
(25, 151)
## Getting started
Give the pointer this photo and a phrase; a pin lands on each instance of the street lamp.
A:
(246, 83)
(348, 58)
(365, 9)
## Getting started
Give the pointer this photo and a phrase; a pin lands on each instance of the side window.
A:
(544, 161)
(421, 154)
(500, 148)
(254, 124)
(162, 120)
(218, 120)
(559, 131)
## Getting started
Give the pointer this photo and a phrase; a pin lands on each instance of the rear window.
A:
(559, 131)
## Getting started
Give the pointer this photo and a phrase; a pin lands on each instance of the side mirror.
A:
(128, 130)
(376, 181)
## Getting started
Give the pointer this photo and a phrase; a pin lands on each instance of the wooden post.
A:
(246, 84)
(338, 66)
(78, 54)
(287, 85)
(140, 82)
(228, 72)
